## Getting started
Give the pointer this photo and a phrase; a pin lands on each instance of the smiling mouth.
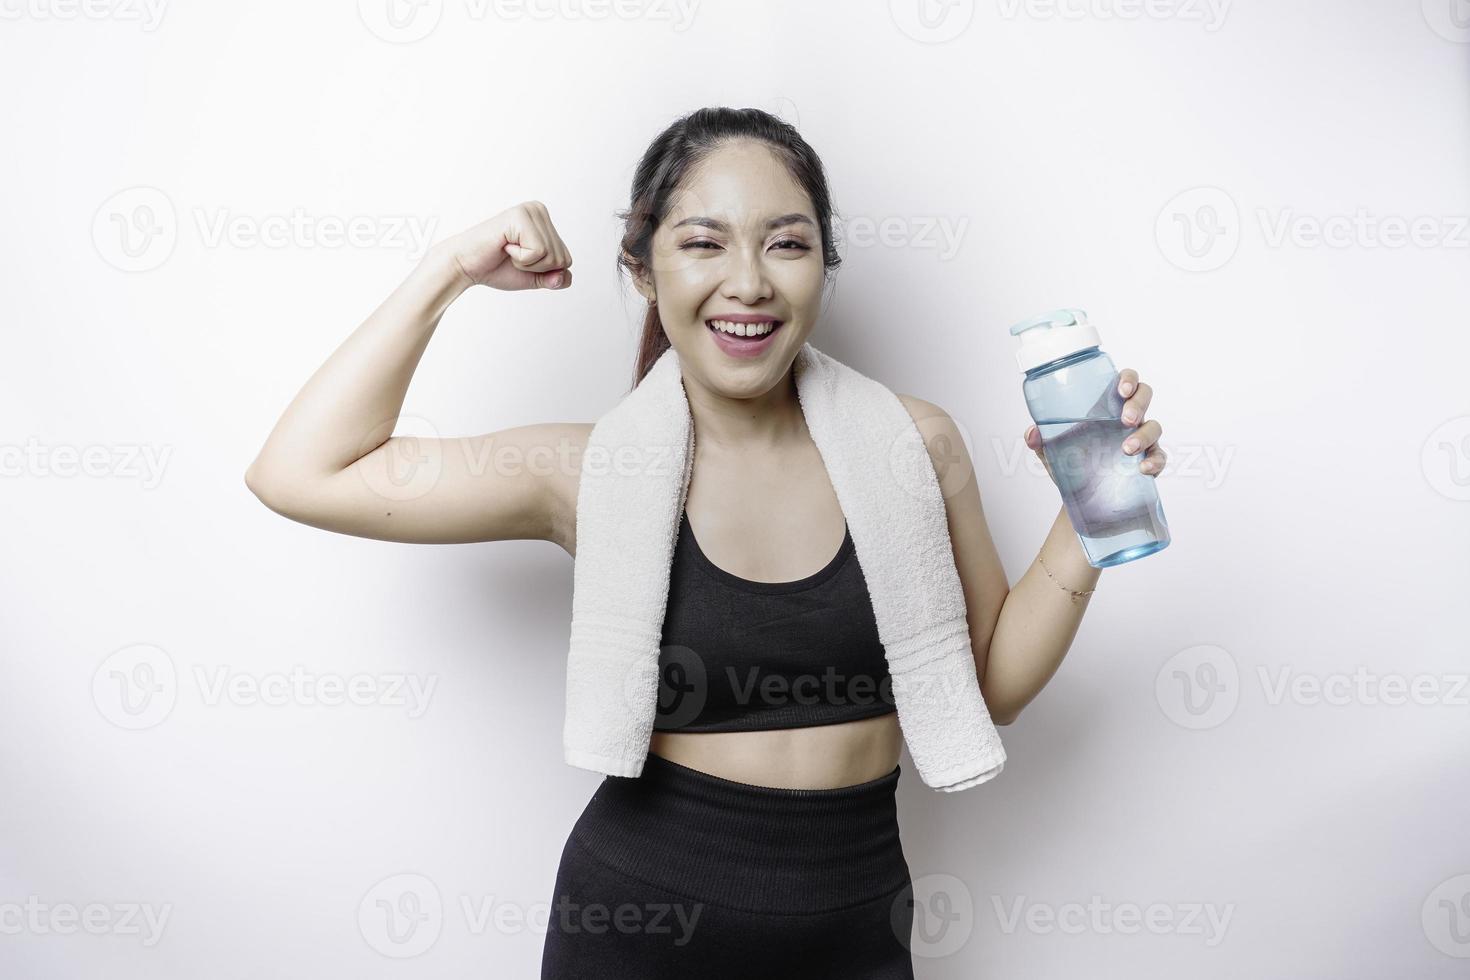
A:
(746, 332)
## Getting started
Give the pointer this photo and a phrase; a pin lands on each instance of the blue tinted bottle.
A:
(1071, 390)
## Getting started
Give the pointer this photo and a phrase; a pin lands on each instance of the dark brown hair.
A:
(670, 158)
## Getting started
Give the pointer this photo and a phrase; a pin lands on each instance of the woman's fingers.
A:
(531, 251)
(558, 256)
(519, 248)
(1145, 438)
(1153, 461)
(1127, 381)
(1135, 407)
(1148, 433)
(526, 251)
(558, 247)
(537, 246)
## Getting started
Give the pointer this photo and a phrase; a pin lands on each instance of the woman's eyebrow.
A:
(718, 225)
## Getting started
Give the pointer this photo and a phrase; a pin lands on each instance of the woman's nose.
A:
(746, 278)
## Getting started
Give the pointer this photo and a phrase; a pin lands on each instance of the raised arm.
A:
(332, 460)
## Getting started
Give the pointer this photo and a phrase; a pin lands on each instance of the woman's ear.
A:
(641, 280)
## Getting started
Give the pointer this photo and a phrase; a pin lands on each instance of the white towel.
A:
(635, 480)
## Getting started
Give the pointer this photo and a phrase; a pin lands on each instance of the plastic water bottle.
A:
(1071, 389)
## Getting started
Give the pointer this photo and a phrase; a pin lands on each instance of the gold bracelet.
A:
(1074, 592)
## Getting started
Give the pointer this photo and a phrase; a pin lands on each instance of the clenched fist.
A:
(519, 248)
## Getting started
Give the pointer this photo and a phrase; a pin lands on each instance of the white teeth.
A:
(743, 329)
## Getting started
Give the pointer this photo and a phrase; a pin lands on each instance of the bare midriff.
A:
(818, 757)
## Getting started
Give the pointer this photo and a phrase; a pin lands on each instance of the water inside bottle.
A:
(1114, 508)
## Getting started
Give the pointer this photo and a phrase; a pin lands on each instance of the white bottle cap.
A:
(1052, 335)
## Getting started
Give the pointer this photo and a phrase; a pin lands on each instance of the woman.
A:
(761, 838)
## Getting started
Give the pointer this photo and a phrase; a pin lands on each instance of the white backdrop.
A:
(1252, 763)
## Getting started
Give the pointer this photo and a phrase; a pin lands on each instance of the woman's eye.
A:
(794, 243)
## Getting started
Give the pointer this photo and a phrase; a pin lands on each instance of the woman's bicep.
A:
(505, 485)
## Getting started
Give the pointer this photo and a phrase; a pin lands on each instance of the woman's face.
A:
(741, 238)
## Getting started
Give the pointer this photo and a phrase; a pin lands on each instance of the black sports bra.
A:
(739, 655)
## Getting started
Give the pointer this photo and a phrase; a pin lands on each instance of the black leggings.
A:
(682, 874)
